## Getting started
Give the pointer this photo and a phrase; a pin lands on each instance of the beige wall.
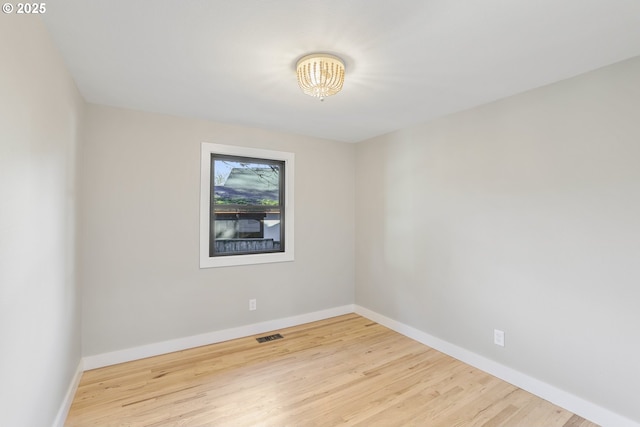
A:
(139, 216)
(40, 112)
(521, 215)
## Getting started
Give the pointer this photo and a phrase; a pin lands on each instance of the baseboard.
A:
(61, 417)
(127, 355)
(575, 404)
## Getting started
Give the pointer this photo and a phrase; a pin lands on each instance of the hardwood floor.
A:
(346, 370)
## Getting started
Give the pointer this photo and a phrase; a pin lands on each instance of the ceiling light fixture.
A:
(320, 75)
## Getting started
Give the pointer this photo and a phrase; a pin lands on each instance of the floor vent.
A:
(269, 338)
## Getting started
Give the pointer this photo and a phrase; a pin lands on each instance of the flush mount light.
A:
(320, 75)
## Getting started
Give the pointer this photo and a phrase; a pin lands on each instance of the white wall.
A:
(40, 112)
(139, 216)
(521, 215)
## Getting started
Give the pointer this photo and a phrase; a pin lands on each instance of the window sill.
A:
(233, 260)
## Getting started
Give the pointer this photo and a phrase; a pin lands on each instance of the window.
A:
(246, 212)
(246, 206)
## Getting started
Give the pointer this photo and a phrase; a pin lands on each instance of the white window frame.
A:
(205, 205)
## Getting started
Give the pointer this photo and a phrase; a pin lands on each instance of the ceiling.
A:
(407, 61)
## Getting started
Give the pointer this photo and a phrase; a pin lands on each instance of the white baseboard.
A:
(573, 403)
(127, 355)
(61, 417)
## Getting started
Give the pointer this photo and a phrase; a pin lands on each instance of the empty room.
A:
(295, 213)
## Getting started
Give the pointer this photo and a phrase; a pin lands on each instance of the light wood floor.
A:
(342, 371)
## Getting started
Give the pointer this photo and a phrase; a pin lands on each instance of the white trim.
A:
(571, 402)
(546, 391)
(205, 197)
(127, 355)
(61, 417)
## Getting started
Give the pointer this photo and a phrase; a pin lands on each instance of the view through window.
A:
(247, 205)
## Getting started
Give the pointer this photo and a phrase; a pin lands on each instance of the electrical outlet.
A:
(498, 337)
(252, 304)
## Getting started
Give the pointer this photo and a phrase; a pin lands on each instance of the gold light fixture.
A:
(320, 75)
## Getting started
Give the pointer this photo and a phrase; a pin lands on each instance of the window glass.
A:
(247, 214)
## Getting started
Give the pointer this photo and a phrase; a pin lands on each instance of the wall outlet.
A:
(498, 337)
(252, 304)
